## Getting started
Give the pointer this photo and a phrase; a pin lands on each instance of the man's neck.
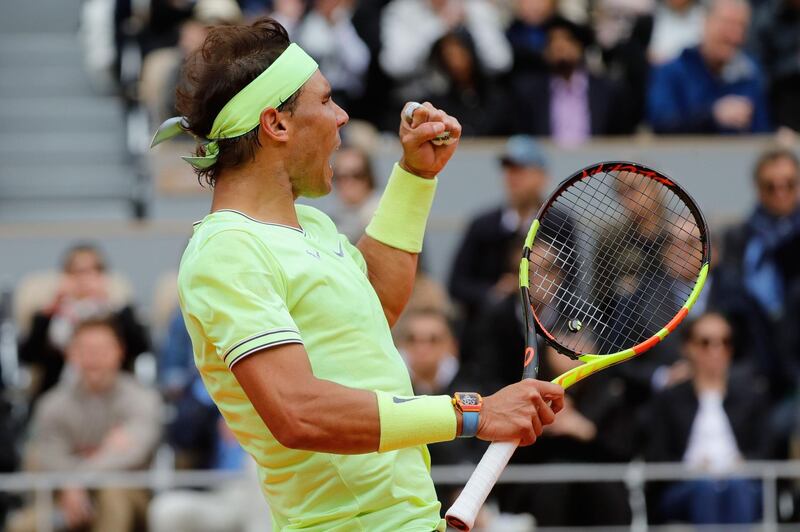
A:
(714, 67)
(261, 191)
(710, 383)
(525, 212)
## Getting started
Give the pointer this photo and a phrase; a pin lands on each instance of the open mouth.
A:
(333, 153)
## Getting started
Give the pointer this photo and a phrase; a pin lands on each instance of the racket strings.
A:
(641, 244)
(632, 235)
(604, 264)
(627, 250)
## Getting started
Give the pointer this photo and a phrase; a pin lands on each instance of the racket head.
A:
(613, 261)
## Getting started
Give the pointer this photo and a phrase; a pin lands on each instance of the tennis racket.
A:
(612, 263)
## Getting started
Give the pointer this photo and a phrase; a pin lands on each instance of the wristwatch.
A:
(469, 404)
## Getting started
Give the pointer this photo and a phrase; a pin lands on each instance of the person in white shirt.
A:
(711, 423)
(327, 34)
(410, 27)
(677, 24)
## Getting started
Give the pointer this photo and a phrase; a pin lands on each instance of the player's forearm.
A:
(305, 412)
(394, 238)
(332, 418)
(391, 273)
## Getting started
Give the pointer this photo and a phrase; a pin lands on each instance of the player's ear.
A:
(274, 124)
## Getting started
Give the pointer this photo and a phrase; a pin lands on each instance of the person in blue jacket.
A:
(714, 87)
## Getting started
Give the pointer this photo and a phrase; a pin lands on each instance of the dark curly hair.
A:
(230, 58)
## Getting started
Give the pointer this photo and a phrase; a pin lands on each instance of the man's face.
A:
(683, 251)
(96, 354)
(86, 274)
(641, 198)
(778, 186)
(711, 346)
(426, 342)
(725, 32)
(457, 60)
(534, 12)
(350, 173)
(524, 185)
(314, 136)
(563, 52)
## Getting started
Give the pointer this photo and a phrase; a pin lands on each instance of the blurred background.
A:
(704, 429)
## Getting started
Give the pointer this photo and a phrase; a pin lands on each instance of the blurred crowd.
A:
(722, 390)
(106, 388)
(567, 69)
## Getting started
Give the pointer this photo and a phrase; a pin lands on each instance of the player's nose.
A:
(341, 116)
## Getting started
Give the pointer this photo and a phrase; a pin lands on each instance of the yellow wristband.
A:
(415, 420)
(403, 211)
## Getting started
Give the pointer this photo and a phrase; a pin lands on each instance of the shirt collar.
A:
(578, 82)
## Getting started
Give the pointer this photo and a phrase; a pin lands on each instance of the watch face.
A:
(469, 399)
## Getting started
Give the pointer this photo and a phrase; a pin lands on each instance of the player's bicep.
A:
(276, 379)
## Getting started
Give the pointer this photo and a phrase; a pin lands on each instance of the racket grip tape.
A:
(462, 514)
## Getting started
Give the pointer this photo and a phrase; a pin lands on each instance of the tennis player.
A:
(290, 323)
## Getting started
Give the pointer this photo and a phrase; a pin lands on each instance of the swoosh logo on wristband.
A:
(399, 400)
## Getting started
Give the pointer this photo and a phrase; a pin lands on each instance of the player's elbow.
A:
(291, 438)
(296, 430)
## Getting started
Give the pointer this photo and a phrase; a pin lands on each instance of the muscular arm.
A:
(311, 414)
(391, 272)
(304, 412)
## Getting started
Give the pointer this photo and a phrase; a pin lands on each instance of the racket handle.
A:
(462, 514)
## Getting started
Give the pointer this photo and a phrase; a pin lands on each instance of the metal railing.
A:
(634, 475)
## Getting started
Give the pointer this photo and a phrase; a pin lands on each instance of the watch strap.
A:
(469, 424)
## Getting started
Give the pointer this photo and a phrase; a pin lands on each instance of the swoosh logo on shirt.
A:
(313, 253)
(399, 400)
(340, 252)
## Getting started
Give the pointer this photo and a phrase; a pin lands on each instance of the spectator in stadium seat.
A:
(326, 32)
(235, 504)
(759, 259)
(479, 273)
(176, 368)
(409, 28)
(777, 31)
(567, 103)
(287, 12)
(428, 293)
(161, 67)
(595, 427)
(750, 247)
(461, 85)
(527, 33)
(83, 293)
(602, 401)
(102, 420)
(354, 184)
(710, 423)
(425, 339)
(622, 31)
(202, 440)
(714, 87)
(677, 25)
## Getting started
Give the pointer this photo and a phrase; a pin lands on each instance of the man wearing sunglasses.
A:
(710, 423)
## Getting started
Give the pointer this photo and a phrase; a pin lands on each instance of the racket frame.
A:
(597, 362)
